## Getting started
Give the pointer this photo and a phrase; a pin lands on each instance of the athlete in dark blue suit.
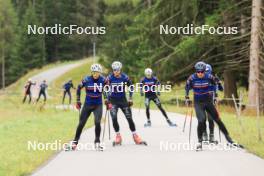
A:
(118, 81)
(200, 83)
(149, 87)
(94, 86)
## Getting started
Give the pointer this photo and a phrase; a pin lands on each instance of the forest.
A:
(133, 37)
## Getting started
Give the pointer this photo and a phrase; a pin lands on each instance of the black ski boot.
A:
(205, 137)
(232, 143)
(212, 140)
(171, 124)
(148, 124)
(71, 146)
(199, 146)
(97, 145)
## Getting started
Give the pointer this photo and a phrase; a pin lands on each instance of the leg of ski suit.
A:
(158, 104)
(123, 105)
(85, 114)
(63, 97)
(201, 107)
(147, 103)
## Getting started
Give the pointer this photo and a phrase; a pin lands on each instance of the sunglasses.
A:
(200, 72)
(116, 70)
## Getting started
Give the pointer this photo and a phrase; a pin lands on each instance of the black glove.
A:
(187, 100)
(130, 103)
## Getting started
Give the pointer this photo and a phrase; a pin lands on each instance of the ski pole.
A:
(139, 106)
(104, 125)
(185, 119)
(220, 136)
(109, 131)
(190, 130)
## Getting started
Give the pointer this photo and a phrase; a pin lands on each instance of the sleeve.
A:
(157, 82)
(216, 82)
(141, 84)
(105, 93)
(78, 91)
(129, 84)
(188, 85)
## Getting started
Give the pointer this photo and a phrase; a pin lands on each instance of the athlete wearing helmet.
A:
(117, 81)
(93, 85)
(148, 85)
(200, 83)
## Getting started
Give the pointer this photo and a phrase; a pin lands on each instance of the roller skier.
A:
(28, 91)
(42, 91)
(93, 85)
(203, 102)
(149, 87)
(117, 99)
(213, 88)
(67, 90)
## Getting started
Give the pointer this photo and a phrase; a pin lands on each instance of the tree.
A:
(255, 48)
(12, 65)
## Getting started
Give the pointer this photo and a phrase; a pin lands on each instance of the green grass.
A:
(22, 123)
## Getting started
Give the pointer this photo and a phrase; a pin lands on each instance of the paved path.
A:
(152, 160)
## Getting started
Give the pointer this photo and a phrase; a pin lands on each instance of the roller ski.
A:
(148, 124)
(199, 146)
(232, 143)
(70, 147)
(97, 146)
(171, 124)
(212, 140)
(118, 140)
(138, 140)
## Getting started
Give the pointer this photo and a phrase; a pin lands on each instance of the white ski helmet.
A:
(148, 72)
(29, 80)
(96, 68)
(116, 65)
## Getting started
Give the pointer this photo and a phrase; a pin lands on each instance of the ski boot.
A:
(97, 145)
(118, 140)
(232, 143)
(205, 137)
(71, 146)
(138, 140)
(171, 124)
(148, 124)
(212, 140)
(199, 146)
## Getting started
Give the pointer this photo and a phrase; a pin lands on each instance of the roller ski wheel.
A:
(199, 147)
(70, 147)
(118, 140)
(138, 140)
(148, 124)
(171, 124)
